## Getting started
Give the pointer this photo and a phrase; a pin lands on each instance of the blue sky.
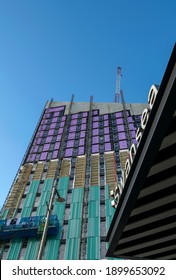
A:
(52, 49)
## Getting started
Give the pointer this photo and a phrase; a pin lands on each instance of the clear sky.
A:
(54, 48)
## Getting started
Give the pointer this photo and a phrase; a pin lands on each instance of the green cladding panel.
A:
(52, 248)
(94, 227)
(63, 183)
(77, 195)
(32, 249)
(59, 210)
(76, 210)
(47, 186)
(74, 228)
(93, 248)
(94, 193)
(14, 249)
(94, 209)
(4, 214)
(72, 249)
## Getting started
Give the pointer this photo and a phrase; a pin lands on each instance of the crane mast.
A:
(118, 80)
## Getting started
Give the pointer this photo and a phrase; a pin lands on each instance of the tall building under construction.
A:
(59, 205)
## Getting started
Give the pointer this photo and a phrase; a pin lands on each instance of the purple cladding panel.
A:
(84, 120)
(34, 149)
(95, 125)
(81, 142)
(123, 145)
(74, 116)
(95, 112)
(74, 122)
(57, 145)
(133, 134)
(72, 128)
(44, 122)
(83, 127)
(119, 121)
(95, 149)
(132, 127)
(53, 125)
(62, 124)
(71, 135)
(58, 137)
(48, 139)
(55, 154)
(68, 152)
(95, 139)
(38, 141)
(95, 131)
(54, 120)
(46, 147)
(63, 118)
(81, 151)
(107, 138)
(46, 116)
(55, 109)
(82, 134)
(120, 128)
(56, 114)
(106, 123)
(70, 143)
(119, 115)
(130, 119)
(51, 132)
(105, 117)
(122, 136)
(85, 114)
(107, 147)
(106, 130)
(60, 130)
(39, 134)
(134, 141)
(43, 156)
(95, 119)
(31, 158)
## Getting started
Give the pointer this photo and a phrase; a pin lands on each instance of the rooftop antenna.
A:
(118, 80)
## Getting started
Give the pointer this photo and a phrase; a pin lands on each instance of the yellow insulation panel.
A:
(38, 171)
(111, 178)
(18, 189)
(52, 169)
(80, 172)
(95, 173)
(65, 168)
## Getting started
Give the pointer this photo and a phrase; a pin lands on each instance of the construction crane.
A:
(118, 80)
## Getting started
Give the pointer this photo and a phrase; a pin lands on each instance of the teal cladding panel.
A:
(63, 183)
(59, 210)
(93, 248)
(32, 249)
(108, 222)
(4, 214)
(52, 248)
(74, 228)
(29, 201)
(93, 227)
(76, 210)
(72, 249)
(47, 186)
(107, 192)
(45, 196)
(34, 186)
(94, 209)
(94, 193)
(41, 210)
(26, 212)
(77, 194)
(109, 209)
(63, 193)
(14, 251)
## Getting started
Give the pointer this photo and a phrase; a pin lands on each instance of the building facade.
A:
(74, 160)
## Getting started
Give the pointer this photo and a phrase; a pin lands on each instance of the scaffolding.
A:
(86, 184)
